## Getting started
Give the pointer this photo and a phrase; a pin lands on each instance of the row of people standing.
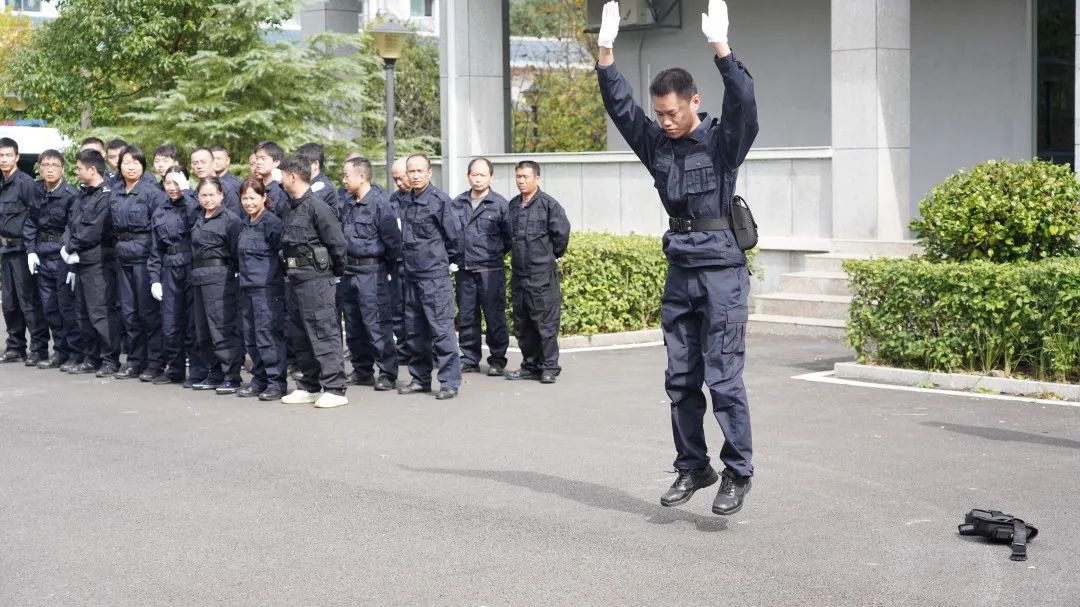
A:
(183, 265)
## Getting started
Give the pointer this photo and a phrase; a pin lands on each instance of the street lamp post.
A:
(390, 38)
(532, 97)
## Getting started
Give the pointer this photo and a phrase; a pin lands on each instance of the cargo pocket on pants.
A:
(735, 334)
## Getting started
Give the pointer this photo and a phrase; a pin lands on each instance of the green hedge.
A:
(610, 283)
(1021, 318)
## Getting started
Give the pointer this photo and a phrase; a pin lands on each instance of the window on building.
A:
(1055, 77)
(27, 5)
(421, 8)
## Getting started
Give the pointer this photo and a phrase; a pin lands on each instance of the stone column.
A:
(474, 79)
(871, 119)
(341, 16)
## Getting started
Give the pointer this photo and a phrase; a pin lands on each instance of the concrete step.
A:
(771, 324)
(802, 305)
(829, 262)
(877, 248)
(815, 283)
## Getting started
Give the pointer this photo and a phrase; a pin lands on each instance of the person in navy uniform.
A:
(268, 157)
(165, 158)
(315, 257)
(694, 160)
(262, 293)
(374, 243)
(431, 247)
(22, 303)
(321, 186)
(202, 165)
(132, 207)
(397, 293)
(481, 279)
(214, 240)
(89, 246)
(539, 234)
(222, 163)
(45, 223)
(169, 267)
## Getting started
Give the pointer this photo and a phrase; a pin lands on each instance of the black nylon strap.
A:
(1019, 541)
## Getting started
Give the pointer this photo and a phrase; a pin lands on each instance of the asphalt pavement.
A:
(119, 493)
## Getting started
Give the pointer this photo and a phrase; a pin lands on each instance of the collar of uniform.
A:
(421, 197)
(535, 197)
(365, 199)
(217, 213)
(90, 189)
(255, 222)
(135, 189)
(700, 133)
(466, 196)
(295, 202)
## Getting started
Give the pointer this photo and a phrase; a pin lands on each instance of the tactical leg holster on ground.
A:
(997, 526)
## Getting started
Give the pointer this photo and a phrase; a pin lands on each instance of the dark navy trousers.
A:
(217, 330)
(141, 317)
(482, 295)
(429, 321)
(369, 323)
(22, 306)
(58, 305)
(95, 309)
(178, 325)
(263, 310)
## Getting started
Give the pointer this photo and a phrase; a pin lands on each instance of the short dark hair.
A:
(214, 181)
(217, 147)
(8, 142)
(362, 164)
(424, 156)
(273, 150)
(197, 150)
(673, 80)
(528, 164)
(54, 154)
(491, 167)
(297, 166)
(168, 150)
(312, 152)
(93, 159)
(135, 153)
(92, 141)
(254, 184)
(116, 144)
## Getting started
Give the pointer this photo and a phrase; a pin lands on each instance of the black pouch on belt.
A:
(321, 257)
(743, 225)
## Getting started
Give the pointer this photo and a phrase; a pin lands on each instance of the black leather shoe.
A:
(165, 379)
(52, 363)
(355, 379)
(248, 391)
(206, 384)
(107, 370)
(496, 370)
(227, 387)
(445, 394)
(12, 357)
(548, 377)
(69, 366)
(383, 384)
(127, 373)
(271, 394)
(33, 359)
(413, 387)
(521, 374)
(686, 484)
(150, 375)
(470, 368)
(83, 368)
(733, 490)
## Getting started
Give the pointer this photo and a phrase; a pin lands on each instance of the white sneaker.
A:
(329, 400)
(299, 397)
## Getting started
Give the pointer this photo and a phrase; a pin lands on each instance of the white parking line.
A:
(648, 344)
(827, 377)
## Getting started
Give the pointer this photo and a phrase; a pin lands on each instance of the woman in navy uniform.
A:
(169, 266)
(262, 293)
(132, 206)
(213, 241)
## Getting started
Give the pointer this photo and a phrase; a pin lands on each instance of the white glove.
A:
(453, 268)
(155, 290)
(609, 25)
(33, 262)
(389, 278)
(64, 255)
(180, 180)
(715, 23)
(70, 280)
(275, 175)
(73, 259)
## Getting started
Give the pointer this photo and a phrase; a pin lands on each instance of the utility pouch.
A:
(999, 527)
(742, 224)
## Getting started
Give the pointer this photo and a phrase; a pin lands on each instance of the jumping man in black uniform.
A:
(694, 160)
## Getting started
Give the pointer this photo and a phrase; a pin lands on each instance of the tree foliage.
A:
(14, 35)
(568, 117)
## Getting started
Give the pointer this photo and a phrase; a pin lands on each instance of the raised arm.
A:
(738, 122)
(634, 126)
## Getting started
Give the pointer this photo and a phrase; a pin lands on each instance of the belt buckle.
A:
(290, 262)
(681, 224)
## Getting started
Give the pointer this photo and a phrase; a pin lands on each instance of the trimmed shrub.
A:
(976, 316)
(1002, 211)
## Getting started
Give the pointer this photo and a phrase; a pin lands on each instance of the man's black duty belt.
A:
(364, 261)
(11, 242)
(176, 249)
(48, 237)
(128, 236)
(680, 224)
(210, 263)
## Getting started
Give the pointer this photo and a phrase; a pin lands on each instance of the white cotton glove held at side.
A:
(714, 24)
(33, 261)
(609, 25)
(155, 290)
(70, 280)
(275, 175)
(64, 255)
(453, 268)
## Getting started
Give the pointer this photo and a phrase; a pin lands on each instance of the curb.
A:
(600, 340)
(956, 381)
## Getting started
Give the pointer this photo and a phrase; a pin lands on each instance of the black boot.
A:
(729, 498)
(686, 484)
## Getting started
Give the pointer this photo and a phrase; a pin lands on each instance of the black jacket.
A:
(539, 233)
(485, 232)
(90, 232)
(47, 217)
(312, 224)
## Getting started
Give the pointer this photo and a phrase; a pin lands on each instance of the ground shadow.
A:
(1001, 434)
(589, 494)
(824, 364)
